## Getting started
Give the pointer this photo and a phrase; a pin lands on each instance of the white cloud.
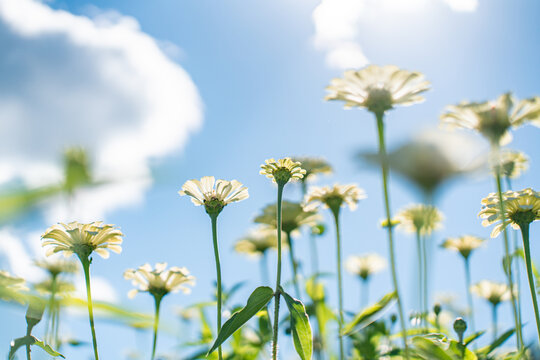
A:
(338, 24)
(20, 259)
(100, 83)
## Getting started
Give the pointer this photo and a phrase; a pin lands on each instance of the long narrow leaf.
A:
(257, 300)
(369, 314)
(300, 327)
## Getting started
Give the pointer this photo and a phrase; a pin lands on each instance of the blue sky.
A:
(261, 79)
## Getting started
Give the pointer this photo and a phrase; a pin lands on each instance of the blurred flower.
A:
(57, 266)
(420, 218)
(493, 292)
(60, 287)
(282, 170)
(333, 197)
(520, 208)
(159, 281)
(493, 119)
(378, 88)
(10, 285)
(313, 166)
(214, 195)
(82, 239)
(464, 244)
(512, 163)
(293, 217)
(257, 242)
(365, 265)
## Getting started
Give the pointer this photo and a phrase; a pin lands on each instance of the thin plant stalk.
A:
(419, 251)
(508, 268)
(517, 268)
(218, 272)
(384, 166)
(86, 269)
(28, 350)
(51, 318)
(364, 288)
(528, 263)
(494, 320)
(157, 300)
(278, 276)
(340, 283)
(313, 241)
(294, 266)
(469, 294)
(426, 283)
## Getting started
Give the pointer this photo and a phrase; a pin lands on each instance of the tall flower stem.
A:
(313, 240)
(335, 212)
(469, 295)
(294, 266)
(365, 292)
(517, 268)
(278, 276)
(86, 269)
(214, 217)
(420, 251)
(51, 318)
(508, 267)
(526, 248)
(426, 283)
(157, 300)
(384, 166)
(494, 321)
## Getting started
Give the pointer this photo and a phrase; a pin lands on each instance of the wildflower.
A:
(10, 286)
(293, 217)
(492, 291)
(59, 287)
(214, 195)
(159, 282)
(334, 197)
(82, 239)
(511, 163)
(420, 218)
(378, 88)
(493, 119)
(283, 170)
(366, 265)
(464, 244)
(257, 242)
(57, 266)
(313, 166)
(520, 209)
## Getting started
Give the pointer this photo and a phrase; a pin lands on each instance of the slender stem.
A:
(365, 292)
(157, 300)
(528, 264)
(28, 333)
(292, 259)
(218, 272)
(278, 276)
(384, 166)
(469, 294)
(517, 268)
(340, 283)
(508, 267)
(494, 321)
(426, 282)
(264, 268)
(420, 256)
(51, 318)
(86, 269)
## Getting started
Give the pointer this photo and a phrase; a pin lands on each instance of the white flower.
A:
(282, 170)
(159, 281)
(333, 197)
(365, 265)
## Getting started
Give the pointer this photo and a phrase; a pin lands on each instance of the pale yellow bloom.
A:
(57, 266)
(520, 208)
(293, 217)
(512, 163)
(492, 291)
(463, 244)
(159, 281)
(420, 218)
(493, 119)
(82, 239)
(282, 170)
(214, 195)
(365, 265)
(313, 166)
(11, 286)
(378, 88)
(61, 287)
(333, 197)
(257, 241)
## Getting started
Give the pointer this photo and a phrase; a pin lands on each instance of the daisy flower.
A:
(492, 291)
(420, 218)
(463, 244)
(159, 281)
(294, 216)
(511, 163)
(57, 266)
(365, 265)
(10, 286)
(283, 170)
(313, 167)
(257, 241)
(334, 197)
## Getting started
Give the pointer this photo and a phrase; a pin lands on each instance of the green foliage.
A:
(300, 327)
(369, 314)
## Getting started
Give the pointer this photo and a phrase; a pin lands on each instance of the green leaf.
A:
(300, 327)
(31, 340)
(49, 350)
(461, 351)
(257, 300)
(369, 314)
(469, 339)
(495, 344)
(430, 349)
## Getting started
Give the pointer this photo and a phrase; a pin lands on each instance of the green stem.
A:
(508, 268)
(528, 263)
(365, 292)
(157, 300)
(28, 333)
(494, 321)
(469, 294)
(278, 276)
(384, 166)
(425, 287)
(218, 272)
(419, 252)
(340, 283)
(292, 259)
(51, 316)
(517, 268)
(86, 269)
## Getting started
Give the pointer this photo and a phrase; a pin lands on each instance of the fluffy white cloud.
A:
(338, 23)
(98, 82)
